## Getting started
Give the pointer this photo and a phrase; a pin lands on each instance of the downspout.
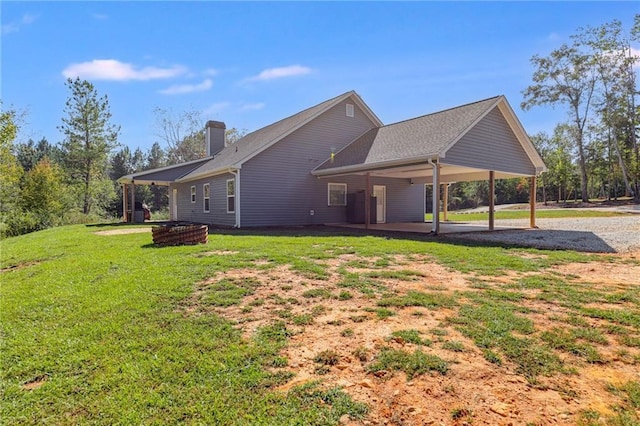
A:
(435, 221)
(236, 175)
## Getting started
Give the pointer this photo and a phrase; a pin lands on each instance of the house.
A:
(320, 165)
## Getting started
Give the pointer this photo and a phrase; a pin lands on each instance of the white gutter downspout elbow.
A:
(236, 174)
(435, 221)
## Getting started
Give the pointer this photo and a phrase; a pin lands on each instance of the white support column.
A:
(492, 199)
(435, 223)
(367, 202)
(124, 202)
(445, 202)
(133, 202)
(532, 202)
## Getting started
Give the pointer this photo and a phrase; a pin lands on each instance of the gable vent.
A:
(349, 110)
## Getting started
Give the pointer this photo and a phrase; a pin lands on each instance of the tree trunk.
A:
(583, 171)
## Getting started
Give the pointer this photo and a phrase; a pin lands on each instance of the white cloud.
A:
(188, 88)
(553, 37)
(216, 108)
(14, 27)
(274, 73)
(211, 72)
(111, 69)
(252, 107)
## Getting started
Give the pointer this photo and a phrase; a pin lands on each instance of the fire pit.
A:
(178, 234)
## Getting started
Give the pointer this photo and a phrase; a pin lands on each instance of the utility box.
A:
(356, 208)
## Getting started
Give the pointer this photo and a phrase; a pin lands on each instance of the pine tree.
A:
(89, 138)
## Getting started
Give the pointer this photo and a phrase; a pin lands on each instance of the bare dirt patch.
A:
(123, 231)
(340, 314)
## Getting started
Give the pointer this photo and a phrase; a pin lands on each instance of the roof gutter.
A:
(373, 166)
(211, 173)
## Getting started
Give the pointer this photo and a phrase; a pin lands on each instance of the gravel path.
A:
(618, 234)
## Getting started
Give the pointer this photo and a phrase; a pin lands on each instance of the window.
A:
(231, 195)
(337, 194)
(193, 194)
(349, 110)
(205, 197)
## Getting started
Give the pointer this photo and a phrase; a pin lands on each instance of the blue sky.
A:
(250, 64)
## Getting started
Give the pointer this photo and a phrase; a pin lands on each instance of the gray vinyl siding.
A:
(491, 145)
(405, 202)
(194, 212)
(276, 186)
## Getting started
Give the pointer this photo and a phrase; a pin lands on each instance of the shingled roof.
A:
(419, 138)
(253, 143)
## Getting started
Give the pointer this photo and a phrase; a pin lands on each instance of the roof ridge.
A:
(441, 111)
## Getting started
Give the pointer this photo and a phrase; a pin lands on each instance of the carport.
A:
(160, 177)
(479, 141)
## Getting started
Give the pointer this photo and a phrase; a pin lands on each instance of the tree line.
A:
(593, 153)
(74, 181)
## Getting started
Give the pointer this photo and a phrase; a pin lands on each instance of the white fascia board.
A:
(373, 166)
(209, 173)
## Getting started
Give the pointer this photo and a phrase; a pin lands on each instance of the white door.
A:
(174, 205)
(380, 192)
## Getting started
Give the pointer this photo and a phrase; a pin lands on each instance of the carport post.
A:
(124, 201)
(133, 202)
(367, 201)
(435, 222)
(492, 200)
(445, 202)
(532, 202)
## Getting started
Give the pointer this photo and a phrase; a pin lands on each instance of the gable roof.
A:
(163, 175)
(420, 139)
(233, 156)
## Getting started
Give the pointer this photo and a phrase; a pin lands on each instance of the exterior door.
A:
(380, 192)
(174, 205)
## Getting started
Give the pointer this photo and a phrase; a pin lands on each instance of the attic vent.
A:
(349, 110)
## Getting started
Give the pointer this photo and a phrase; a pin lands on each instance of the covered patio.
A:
(426, 227)
(479, 141)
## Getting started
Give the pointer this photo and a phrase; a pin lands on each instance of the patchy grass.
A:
(129, 334)
(416, 298)
(411, 336)
(413, 364)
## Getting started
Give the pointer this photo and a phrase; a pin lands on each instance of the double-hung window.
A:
(337, 194)
(231, 195)
(193, 194)
(205, 197)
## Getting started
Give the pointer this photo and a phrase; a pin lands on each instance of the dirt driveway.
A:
(617, 234)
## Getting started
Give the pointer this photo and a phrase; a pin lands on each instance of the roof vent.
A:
(349, 110)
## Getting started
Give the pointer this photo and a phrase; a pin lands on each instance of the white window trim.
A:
(230, 196)
(204, 197)
(343, 185)
(193, 194)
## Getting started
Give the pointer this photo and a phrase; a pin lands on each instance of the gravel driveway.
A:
(619, 234)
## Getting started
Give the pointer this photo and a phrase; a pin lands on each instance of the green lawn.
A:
(524, 214)
(92, 330)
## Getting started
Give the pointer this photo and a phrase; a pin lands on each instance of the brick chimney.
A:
(215, 137)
